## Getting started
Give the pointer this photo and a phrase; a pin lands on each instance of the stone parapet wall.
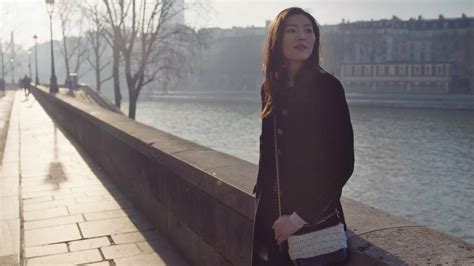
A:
(202, 199)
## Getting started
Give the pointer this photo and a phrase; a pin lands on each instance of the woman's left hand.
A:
(283, 228)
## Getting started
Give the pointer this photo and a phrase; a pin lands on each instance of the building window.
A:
(417, 70)
(428, 70)
(439, 71)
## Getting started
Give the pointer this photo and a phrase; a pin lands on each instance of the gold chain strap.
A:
(277, 168)
(277, 164)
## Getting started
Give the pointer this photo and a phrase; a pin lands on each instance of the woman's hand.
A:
(283, 228)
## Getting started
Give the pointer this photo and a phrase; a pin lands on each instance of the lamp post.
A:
(36, 60)
(53, 84)
(29, 62)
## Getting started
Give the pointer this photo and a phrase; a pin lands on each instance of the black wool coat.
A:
(315, 148)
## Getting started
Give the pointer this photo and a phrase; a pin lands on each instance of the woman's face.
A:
(298, 38)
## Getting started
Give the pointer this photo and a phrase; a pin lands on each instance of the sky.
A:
(29, 17)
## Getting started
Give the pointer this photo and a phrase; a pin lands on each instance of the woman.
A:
(306, 150)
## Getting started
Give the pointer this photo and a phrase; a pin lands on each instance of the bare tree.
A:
(149, 41)
(73, 47)
(113, 18)
(97, 41)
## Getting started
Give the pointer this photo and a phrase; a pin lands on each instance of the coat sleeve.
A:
(338, 160)
(264, 139)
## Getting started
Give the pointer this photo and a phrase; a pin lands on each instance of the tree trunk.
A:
(132, 106)
(66, 61)
(116, 75)
(97, 73)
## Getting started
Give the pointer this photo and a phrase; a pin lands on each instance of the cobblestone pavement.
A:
(70, 211)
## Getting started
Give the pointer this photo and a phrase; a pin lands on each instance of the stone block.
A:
(93, 207)
(50, 235)
(45, 213)
(9, 208)
(106, 215)
(120, 251)
(45, 250)
(89, 243)
(71, 219)
(47, 204)
(145, 259)
(79, 257)
(9, 186)
(107, 227)
(39, 188)
(37, 200)
(9, 240)
(102, 263)
(135, 237)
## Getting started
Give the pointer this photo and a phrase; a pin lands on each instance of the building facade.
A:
(415, 56)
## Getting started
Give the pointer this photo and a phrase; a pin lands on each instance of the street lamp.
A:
(29, 62)
(36, 59)
(53, 84)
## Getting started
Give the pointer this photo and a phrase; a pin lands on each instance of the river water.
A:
(414, 163)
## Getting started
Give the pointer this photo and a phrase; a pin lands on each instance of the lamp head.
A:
(50, 6)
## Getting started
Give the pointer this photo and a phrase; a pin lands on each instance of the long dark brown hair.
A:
(273, 63)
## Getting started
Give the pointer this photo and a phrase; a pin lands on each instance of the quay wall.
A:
(202, 201)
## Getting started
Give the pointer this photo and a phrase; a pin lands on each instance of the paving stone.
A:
(10, 169)
(9, 208)
(28, 195)
(89, 244)
(135, 237)
(10, 238)
(69, 195)
(51, 235)
(9, 186)
(43, 187)
(102, 263)
(78, 257)
(45, 213)
(107, 227)
(48, 204)
(93, 207)
(53, 222)
(45, 250)
(109, 214)
(98, 192)
(37, 200)
(144, 259)
(90, 188)
(92, 199)
(120, 251)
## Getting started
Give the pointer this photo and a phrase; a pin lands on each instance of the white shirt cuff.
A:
(297, 220)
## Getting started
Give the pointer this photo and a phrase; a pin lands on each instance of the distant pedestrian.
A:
(2, 84)
(26, 84)
(306, 150)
